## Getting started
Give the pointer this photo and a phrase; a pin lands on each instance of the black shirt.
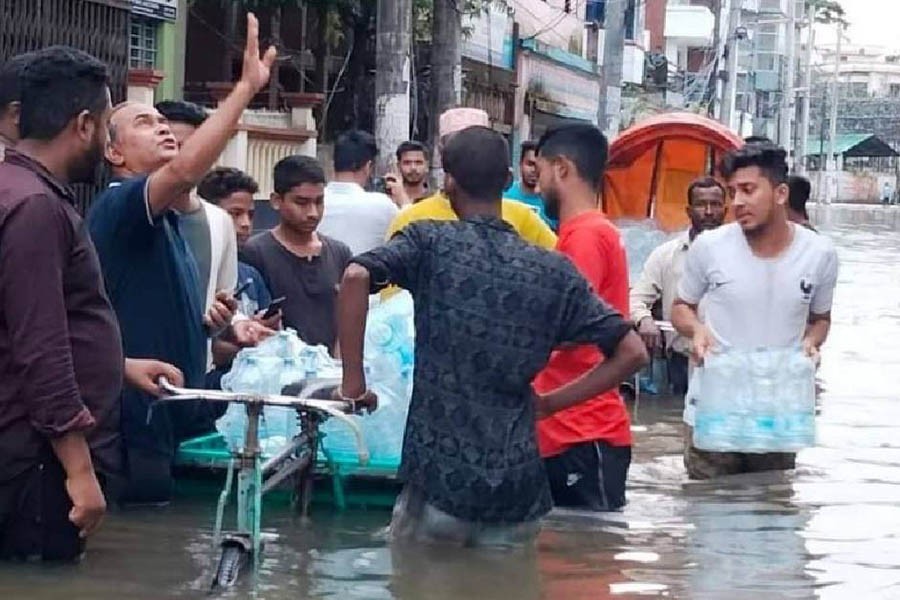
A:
(489, 309)
(60, 350)
(153, 284)
(309, 285)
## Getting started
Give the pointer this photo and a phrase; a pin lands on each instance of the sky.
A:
(872, 22)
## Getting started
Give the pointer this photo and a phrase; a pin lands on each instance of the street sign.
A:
(155, 9)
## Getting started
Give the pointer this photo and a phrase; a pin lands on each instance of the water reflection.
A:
(829, 530)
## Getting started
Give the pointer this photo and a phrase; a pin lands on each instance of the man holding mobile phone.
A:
(233, 191)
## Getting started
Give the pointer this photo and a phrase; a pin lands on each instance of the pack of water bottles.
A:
(388, 360)
(754, 401)
(285, 359)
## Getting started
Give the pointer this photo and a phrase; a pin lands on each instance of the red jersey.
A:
(595, 246)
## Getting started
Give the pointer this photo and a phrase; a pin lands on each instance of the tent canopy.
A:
(652, 164)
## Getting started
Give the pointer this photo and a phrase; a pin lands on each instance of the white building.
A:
(872, 71)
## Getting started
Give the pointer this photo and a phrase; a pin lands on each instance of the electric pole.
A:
(831, 179)
(610, 108)
(731, 44)
(803, 160)
(393, 42)
(790, 83)
(446, 68)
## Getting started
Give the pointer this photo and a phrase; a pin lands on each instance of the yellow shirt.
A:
(437, 208)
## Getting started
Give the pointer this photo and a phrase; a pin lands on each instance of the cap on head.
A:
(457, 119)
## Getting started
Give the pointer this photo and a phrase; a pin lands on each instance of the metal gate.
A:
(99, 27)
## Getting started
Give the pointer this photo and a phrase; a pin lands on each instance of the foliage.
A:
(828, 11)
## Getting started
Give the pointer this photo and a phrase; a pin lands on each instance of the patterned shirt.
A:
(489, 309)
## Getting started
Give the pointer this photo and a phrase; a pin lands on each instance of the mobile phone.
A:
(379, 184)
(274, 308)
(243, 288)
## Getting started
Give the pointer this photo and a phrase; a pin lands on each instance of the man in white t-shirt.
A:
(354, 216)
(765, 282)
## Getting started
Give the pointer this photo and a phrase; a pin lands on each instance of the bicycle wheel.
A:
(233, 559)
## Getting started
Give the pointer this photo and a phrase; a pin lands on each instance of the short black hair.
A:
(771, 160)
(478, 160)
(10, 78)
(296, 170)
(583, 144)
(57, 84)
(222, 182)
(353, 149)
(526, 147)
(411, 146)
(704, 183)
(179, 111)
(800, 192)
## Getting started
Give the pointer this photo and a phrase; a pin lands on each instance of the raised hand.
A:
(256, 69)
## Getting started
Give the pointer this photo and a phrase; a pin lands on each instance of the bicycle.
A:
(255, 478)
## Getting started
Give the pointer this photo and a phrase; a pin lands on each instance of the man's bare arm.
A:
(352, 312)
(203, 148)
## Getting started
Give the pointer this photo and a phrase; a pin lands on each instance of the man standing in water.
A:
(586, 448)
(490, 308)
(152, 275)
(659, 280)
(765, 283)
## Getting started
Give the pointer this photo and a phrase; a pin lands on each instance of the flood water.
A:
(829, 530)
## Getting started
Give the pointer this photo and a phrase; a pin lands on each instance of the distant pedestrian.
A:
(352, 215)
(887, 193)
(412, 162)
(525, 190)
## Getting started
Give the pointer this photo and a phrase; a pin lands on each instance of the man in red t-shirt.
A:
(587, 448)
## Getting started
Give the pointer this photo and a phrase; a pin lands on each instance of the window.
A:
(142, 46)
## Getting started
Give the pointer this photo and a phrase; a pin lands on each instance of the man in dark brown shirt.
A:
(61, 362)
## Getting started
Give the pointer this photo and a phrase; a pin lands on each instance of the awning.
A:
(853, 145)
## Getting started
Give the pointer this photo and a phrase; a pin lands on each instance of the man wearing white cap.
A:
(437, 207)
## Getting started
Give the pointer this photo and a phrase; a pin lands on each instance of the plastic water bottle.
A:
(755, 401)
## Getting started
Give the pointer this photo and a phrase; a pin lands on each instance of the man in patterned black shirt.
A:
(489, 309)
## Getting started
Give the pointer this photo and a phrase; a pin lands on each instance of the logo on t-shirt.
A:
(806, 288)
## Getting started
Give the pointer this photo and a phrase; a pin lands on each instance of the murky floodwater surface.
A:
(829, 530)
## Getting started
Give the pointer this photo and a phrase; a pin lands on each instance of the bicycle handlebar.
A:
(333, 408)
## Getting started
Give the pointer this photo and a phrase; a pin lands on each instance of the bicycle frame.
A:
(256, 478)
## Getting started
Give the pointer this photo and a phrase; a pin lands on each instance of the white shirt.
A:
(752, 302)
(659, 281)
(356, 217)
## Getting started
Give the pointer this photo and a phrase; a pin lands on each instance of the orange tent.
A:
(652, 164)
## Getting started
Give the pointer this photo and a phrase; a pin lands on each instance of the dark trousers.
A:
(590, 476)
(34, 515)
(678, 373)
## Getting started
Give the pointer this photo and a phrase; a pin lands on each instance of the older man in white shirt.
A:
(662, 272)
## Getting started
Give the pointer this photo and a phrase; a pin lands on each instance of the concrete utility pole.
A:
(729, 98)
(788, 107)
(802, 160)
(393, 42)
(831, 179)
(446, 68)
(610, 108)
